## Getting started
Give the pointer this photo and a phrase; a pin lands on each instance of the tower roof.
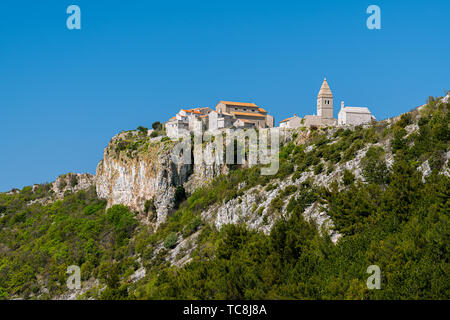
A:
(325, 91)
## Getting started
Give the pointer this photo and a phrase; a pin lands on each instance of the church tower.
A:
(325, 101)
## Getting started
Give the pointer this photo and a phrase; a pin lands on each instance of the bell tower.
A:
(325, 101)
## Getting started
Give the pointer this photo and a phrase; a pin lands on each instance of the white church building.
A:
(354, 115)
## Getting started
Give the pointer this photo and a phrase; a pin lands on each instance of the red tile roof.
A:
(242, 104)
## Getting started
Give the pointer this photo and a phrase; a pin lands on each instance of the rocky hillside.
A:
(146, 227)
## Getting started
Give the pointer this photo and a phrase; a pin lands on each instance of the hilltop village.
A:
(231, 114)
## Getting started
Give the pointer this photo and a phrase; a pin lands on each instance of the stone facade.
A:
(354, 115)
(176, 128)
(318, 121)
(292, 122)
(325, 101)
(219, 120)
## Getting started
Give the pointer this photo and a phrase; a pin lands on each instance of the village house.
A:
(186, 121)
(249, 114)
(292, 122)
(219, 120)
(176, 128)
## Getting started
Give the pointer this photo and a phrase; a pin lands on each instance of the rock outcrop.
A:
(151, 172)
(72, 182)
(133, 178)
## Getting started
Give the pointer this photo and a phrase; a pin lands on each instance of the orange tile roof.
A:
(248, 114)
(191, 110)
(196, 110)
(262, 110)
(242, 104)
(286, 119)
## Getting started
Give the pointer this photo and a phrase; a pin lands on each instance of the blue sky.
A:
(65, 93)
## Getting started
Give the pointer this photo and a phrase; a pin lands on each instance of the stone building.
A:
(292, 122)
(186, 121)
(219, 120)
(176, 128)
(354, 115)
(249, 113)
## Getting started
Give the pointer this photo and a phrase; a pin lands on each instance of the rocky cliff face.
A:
(136, 169)
(131, 177)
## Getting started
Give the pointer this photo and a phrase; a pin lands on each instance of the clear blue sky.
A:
(64, 94)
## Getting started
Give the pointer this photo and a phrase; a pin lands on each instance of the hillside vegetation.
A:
(393, 213)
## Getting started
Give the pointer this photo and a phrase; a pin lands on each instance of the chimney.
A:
(342, 104)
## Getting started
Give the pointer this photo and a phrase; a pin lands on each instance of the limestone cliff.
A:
(136, 169)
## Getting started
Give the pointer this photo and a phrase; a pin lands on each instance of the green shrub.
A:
(157, 126)
(95, 207)
(270, 187)
(276, 203)
(171, 240)
(122, 220)
(260, 211)
(296, 176)
(62, 184)
(330, 168)
(149, 205)
(288, 191)
(405, 119)
(142, 130)
(192, 227)
(375, 169)
(348, 177)
(318, 169)
(73, 180)
(398, 143)
(180, 195)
